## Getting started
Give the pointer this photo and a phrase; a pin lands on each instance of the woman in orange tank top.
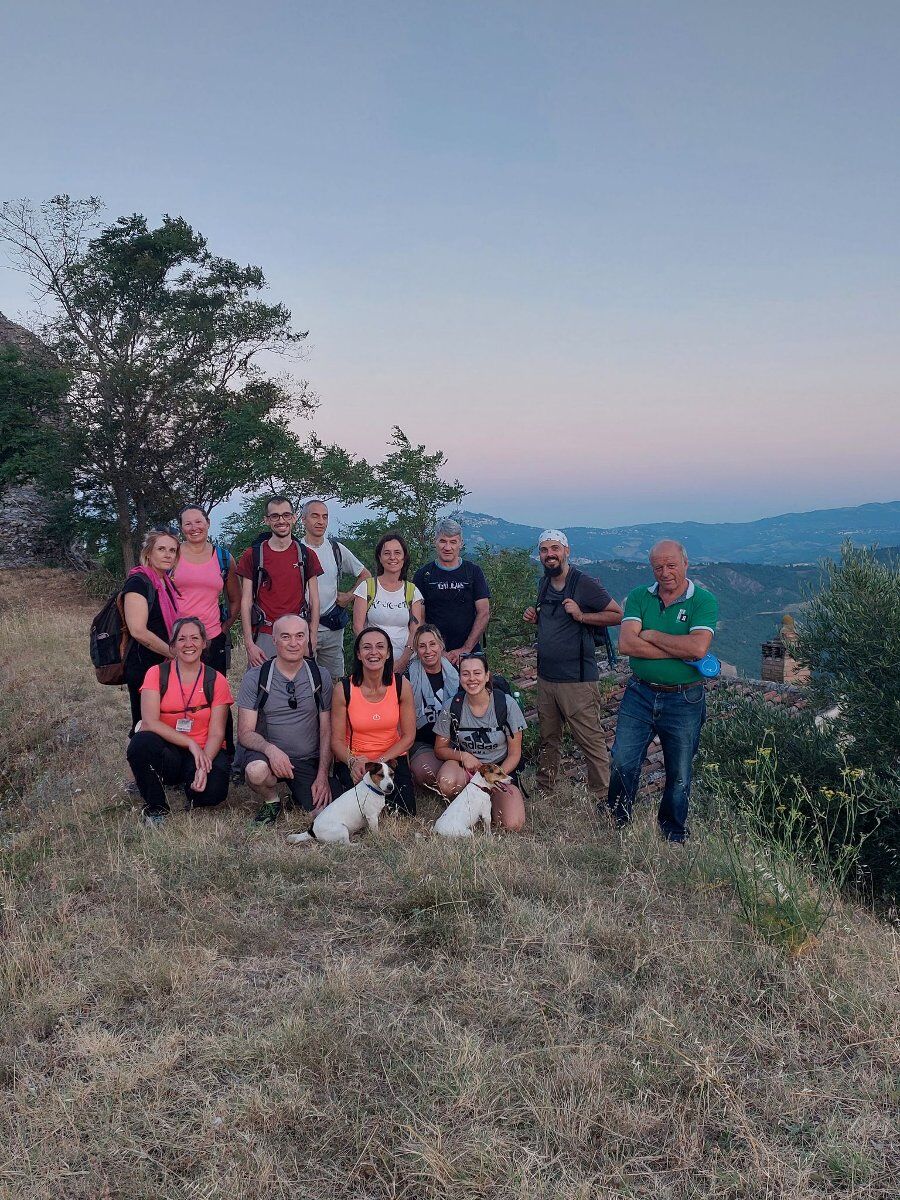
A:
(373, 718)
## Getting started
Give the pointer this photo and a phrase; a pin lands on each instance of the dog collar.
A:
(373, 788)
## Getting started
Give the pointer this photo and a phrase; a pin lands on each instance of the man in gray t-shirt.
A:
(569, 606)
(480, 735)
(289, 737)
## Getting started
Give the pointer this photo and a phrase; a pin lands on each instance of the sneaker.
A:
(268, 814)
(152, 820)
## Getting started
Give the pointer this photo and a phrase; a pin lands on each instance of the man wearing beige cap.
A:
(569, 607)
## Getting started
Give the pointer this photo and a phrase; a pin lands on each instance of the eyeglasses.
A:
(279, 516)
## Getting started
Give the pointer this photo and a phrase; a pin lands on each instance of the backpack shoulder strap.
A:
(542, 592)
(165, 672)
(409, 590)
(224, 558)
(258, 568)
(455, 711)
(303, 557)
(501, 710)
(371, 588)
(264, 683)
(338, 555)
(315, 679)
(209, 683)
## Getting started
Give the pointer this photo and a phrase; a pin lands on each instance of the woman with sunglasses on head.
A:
(183, 708)
(478, 738)
(150, 604)
(435, 681)
(390, 601)
(373, 718)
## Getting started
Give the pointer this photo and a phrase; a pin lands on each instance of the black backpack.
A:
(261, 578)
(500, 690)
(264, 683)
(209, 683)
(599, 634)
(109, 641)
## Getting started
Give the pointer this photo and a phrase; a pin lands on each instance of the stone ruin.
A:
(23, 540)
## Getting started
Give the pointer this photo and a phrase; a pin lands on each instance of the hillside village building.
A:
(778, 664)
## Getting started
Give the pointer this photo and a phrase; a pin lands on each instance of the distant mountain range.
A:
(789, 538)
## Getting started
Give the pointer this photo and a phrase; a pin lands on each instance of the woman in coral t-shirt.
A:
(182, 727)
(378, 724)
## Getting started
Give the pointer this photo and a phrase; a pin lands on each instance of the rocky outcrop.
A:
(23, 539)
(23, 522)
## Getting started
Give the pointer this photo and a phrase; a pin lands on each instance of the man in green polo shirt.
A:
(664, 626)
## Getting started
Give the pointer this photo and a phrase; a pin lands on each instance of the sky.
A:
(621, 261)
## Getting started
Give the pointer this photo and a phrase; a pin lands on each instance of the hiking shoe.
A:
(152, 820)
(268, 814)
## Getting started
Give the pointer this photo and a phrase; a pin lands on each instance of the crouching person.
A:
(481, 726)
(284, 724)
(435, 681)
(184, 706)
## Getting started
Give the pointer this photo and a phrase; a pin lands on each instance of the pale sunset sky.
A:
(621, 261)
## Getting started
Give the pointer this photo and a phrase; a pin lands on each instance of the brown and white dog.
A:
(473, 804)
(355, 810)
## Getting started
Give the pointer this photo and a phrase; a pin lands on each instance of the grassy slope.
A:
(200, 1012)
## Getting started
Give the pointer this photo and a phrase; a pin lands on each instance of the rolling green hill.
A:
(788, 538)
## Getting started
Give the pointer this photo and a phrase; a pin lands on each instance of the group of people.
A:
(418, 692)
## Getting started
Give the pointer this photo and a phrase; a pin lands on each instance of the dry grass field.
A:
(203, 1011)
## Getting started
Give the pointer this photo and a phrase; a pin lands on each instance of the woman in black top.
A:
(150, 604)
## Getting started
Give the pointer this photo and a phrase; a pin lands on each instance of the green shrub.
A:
(812, 773)
(790, 851)
(850, 640)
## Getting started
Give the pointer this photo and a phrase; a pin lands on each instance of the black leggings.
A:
(401, 800)
(156, 762)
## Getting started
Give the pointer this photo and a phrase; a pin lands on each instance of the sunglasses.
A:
(292, 694)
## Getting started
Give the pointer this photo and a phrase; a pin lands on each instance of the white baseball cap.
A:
(553, 535)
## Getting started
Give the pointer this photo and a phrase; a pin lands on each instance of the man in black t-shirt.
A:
(569, 605)
(456, 593)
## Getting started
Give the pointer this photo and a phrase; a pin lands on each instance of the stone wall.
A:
(22, 509)
(22, 525)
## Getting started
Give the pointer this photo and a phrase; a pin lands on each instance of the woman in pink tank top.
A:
(373, 718)
(198, 576)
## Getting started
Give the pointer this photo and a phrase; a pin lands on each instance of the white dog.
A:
(355, 810)
(473, 804)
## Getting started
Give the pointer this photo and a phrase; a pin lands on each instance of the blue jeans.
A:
(676, 718)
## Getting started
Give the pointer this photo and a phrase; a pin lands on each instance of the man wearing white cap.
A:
(569, 607)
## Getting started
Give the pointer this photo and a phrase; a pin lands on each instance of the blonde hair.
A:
(151, 537)
(426, 628)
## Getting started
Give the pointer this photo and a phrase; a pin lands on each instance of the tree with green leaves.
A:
(161, 339)
(849, 637)
(407, 492)
(31, 448)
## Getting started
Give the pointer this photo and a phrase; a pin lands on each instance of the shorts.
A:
(300, 787)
